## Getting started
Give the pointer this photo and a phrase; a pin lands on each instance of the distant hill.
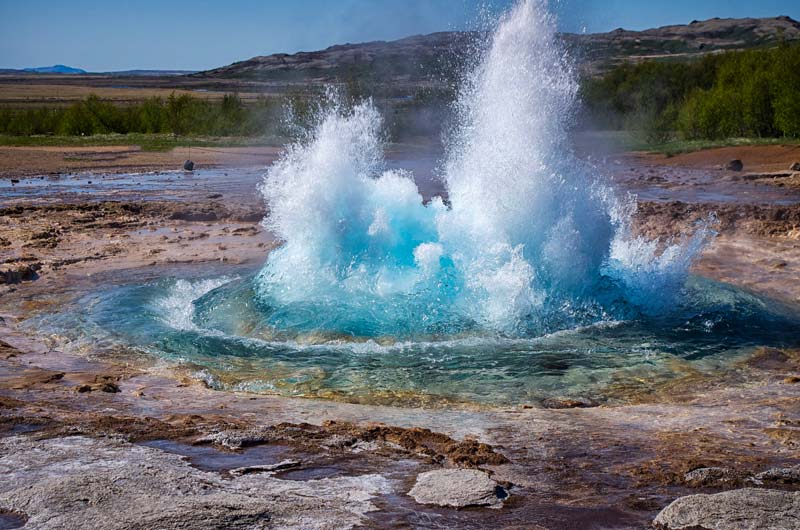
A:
(60, 69)
(600, 51)
(411, 59)
(55, 69)
(150, 73)
(427, 58)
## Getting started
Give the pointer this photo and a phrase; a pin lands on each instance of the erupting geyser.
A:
(527, 283)
(532, 241)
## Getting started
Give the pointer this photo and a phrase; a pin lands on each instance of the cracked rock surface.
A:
(742, 509)
(80, 482)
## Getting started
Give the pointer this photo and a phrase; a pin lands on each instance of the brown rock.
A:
(19, 273)
(104, 386)
(568, 403)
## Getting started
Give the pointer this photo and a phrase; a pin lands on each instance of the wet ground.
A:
(573, 465)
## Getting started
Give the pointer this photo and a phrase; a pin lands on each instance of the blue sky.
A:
(102, 35)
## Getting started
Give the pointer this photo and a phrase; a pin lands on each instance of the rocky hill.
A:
(412, 59)
(433, 58)
(602, 50)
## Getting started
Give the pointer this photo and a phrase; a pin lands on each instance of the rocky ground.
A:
(130, 444)
(17, 162)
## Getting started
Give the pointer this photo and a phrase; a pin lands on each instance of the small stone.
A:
(267, 468)
(458, 488)
(568, 403)
(19, 273)
(784, 475)
(791, 380)
(734, 165)
(111, 388)
(795, 166)
(742, 509)
(709, 476)
(188, 165)
(104, 386)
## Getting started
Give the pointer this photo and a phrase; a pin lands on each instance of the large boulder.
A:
(458, 488)
(742, 509)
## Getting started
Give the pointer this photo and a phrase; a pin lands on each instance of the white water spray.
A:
(532, 241)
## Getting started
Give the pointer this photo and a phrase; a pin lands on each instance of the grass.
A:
(677, 147)
(24, 95)
(148, 142)
(623, 141)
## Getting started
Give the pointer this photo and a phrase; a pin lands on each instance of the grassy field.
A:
(677, 147)
(23, 95)
(622, 141)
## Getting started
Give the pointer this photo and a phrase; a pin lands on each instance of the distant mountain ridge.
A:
(61, 69)
(421, 57)
(55, 69)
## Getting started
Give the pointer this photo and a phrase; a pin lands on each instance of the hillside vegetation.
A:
(178, 114)
(753, 93)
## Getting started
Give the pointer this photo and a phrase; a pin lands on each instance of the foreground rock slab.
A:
(80, 482)
(742, 509)
(457, 488)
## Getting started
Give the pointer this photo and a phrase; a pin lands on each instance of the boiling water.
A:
(527, 283)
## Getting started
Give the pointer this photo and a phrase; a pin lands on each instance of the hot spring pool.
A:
(221, 333)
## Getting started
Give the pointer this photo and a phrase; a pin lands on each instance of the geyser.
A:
(526, 284)
(532, 241)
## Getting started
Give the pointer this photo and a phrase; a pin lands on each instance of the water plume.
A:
(532, 239)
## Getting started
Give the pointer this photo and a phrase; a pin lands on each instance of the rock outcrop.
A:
(80, 482)
(742, 509)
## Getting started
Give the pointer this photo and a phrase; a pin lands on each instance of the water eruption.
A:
(532, 240)
(526, 279)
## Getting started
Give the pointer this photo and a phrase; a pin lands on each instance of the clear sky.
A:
(102, 35)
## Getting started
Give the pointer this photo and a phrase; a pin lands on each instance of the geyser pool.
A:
(527, 283)
(217, 330)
